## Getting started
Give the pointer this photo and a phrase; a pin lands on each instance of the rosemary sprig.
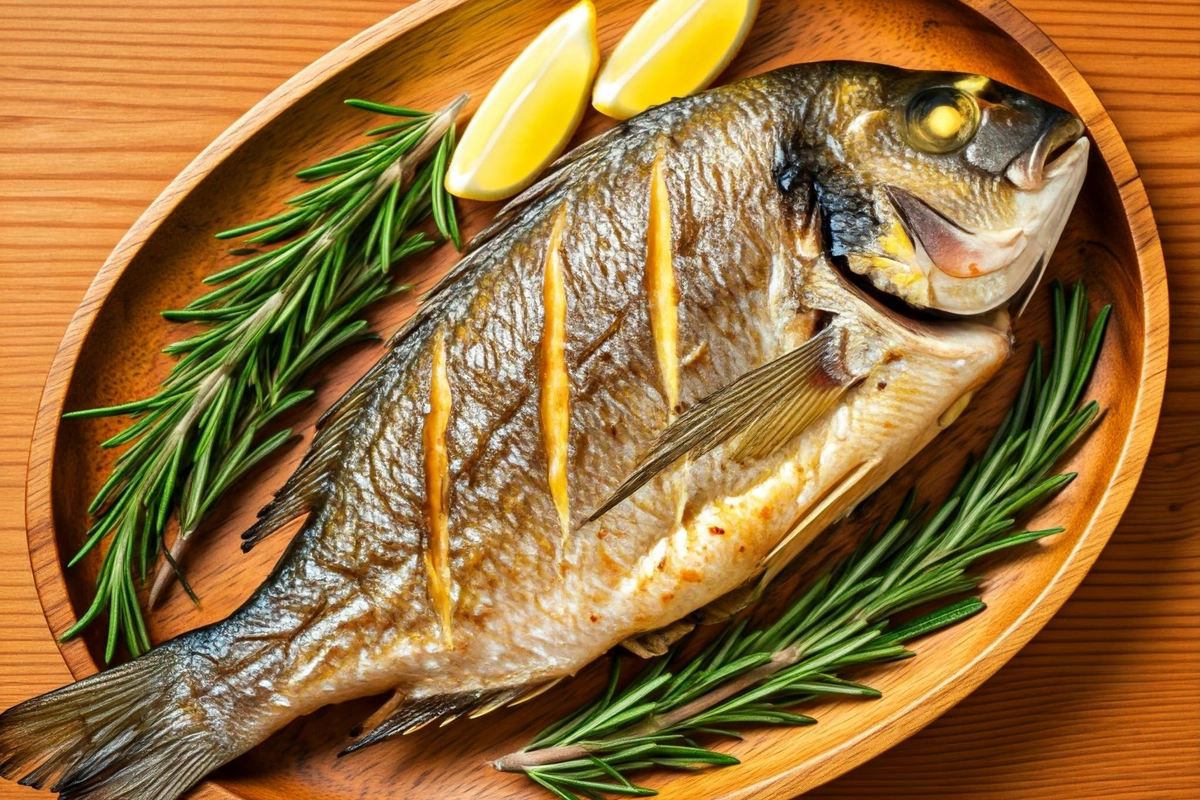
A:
(272, 317)
(846, 617)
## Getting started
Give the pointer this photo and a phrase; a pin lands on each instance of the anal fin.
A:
(397, 717)
(380, 714)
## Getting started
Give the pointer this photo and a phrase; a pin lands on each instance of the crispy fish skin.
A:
(475, 596)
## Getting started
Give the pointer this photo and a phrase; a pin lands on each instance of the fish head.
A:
(946, 190)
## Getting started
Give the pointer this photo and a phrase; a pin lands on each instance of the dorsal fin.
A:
(548, 187)
(766, 407)
(304, 490)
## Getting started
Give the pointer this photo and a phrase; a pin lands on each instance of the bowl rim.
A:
(50, 580)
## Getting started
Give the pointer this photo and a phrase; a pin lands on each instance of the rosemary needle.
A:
(844, 619)
(270, 318)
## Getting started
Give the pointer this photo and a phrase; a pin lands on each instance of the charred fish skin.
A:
(506, 549)
(663, 281)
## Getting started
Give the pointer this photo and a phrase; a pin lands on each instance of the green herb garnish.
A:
(273, 317)
(845, 618)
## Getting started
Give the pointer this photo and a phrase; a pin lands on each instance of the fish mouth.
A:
(1029, 170)
(973, 271)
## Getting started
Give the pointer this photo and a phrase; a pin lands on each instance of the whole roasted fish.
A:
(642, 392)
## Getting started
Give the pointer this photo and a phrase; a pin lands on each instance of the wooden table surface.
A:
(102, 102)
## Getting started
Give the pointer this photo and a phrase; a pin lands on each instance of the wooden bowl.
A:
(423, 56)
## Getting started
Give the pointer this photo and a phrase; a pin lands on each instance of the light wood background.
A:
(102, 102)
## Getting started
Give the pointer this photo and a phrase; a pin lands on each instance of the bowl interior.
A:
(425, 67)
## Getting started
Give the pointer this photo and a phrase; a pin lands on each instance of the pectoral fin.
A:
(763, 409)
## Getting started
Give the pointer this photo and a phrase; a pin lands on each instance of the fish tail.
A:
(126, 733)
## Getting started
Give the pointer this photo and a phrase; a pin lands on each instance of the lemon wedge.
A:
(676, 48)
(529, 115)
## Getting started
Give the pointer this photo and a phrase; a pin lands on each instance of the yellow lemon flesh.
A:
(676, 48)
(529, 115)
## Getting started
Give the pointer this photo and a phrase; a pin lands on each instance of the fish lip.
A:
(1072, 160)
(1030, 170)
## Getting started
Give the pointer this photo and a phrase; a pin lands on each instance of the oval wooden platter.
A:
(425, 55)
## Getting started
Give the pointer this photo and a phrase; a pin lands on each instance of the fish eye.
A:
(941, 120)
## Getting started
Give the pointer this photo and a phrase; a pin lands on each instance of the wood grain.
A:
(78, 171)
(1110, 239)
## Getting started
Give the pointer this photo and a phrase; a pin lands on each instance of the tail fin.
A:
(125, 734)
